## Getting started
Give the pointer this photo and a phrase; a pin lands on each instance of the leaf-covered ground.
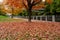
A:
(29, 31)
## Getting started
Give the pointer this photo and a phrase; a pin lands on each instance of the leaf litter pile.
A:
(30, 31)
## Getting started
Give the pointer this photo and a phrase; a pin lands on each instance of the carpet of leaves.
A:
(30, 31)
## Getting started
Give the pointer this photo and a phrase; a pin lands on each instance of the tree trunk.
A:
(29, 15)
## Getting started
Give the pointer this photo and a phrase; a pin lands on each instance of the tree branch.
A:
(29, 3)
(24, 4)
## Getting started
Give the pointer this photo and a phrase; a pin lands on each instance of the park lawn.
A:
(8, 19)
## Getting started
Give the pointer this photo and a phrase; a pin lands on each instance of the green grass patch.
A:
(8, 19)
(3, 16)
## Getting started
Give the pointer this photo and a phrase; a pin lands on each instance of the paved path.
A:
(31, 20)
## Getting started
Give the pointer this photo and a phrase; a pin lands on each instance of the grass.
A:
(8, 19)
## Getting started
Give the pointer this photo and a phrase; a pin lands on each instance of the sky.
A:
(1, 0)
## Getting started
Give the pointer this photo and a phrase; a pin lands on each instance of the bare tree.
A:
(29, 5)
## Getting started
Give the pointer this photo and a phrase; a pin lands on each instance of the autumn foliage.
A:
(14, 3)
(19, 4)
(27, 4)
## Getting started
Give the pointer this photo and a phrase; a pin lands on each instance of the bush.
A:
(2, 13)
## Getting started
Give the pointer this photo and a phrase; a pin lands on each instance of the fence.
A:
(44, 18)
